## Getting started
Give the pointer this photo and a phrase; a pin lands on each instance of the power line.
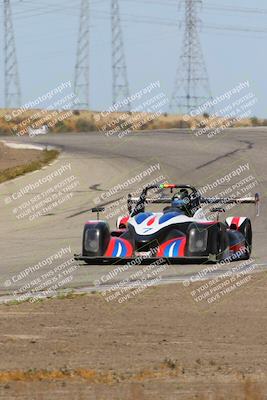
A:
(145, 19)
(210, 6)
(12, 84)
(234, 9)
(169, 22)
(235, 28)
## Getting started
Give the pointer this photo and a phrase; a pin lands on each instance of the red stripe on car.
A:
(151, 221)
(235, 221)
(162, 247)
(111, 246)
(129, 247)
(124, 221)
(182, 247)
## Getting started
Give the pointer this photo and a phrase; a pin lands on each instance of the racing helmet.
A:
(180, 199)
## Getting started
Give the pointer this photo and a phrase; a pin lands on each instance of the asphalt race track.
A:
(98, 164)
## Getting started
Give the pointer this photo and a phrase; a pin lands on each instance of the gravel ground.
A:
(160, 344)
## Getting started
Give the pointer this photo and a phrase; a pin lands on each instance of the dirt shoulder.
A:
(15, 162)
(158, 345)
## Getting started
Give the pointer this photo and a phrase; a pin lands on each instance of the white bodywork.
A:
(148, 228)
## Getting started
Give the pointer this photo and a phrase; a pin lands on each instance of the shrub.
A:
(83, 125)
(254, 121)
(59, 127)
(184, 124)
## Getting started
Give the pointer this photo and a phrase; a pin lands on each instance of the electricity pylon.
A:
(81, 79)
(120, 85)
(12, 84)
(191, 87)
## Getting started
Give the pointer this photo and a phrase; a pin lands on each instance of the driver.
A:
(180, 203)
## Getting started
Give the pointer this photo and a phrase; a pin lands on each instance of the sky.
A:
(46, 34)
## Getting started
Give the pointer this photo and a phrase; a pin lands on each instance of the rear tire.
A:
(222, 244)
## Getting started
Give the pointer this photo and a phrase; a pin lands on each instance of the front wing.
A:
(138, 260)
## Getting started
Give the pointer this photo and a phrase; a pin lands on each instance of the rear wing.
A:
(207, 200)
(231, 200)
(234, 200)
(203, 200)
(164, 200)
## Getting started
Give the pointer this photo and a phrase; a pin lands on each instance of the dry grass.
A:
(47, 157)
(89, 375)
(86, 121)
(243, 388)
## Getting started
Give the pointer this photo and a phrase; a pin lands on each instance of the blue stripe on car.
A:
(116, 248)
(142, 217)
(167, 217)
(175, 252)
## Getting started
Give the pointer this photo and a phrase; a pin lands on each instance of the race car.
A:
(180, 232)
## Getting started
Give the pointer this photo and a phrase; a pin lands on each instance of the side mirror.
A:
(129, 204)
(98, 210)
(257, 202)
(217, 210)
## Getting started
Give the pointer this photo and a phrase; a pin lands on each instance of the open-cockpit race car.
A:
(180, 232)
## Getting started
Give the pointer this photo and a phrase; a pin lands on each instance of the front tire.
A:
(96, 237)
(246, 231)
